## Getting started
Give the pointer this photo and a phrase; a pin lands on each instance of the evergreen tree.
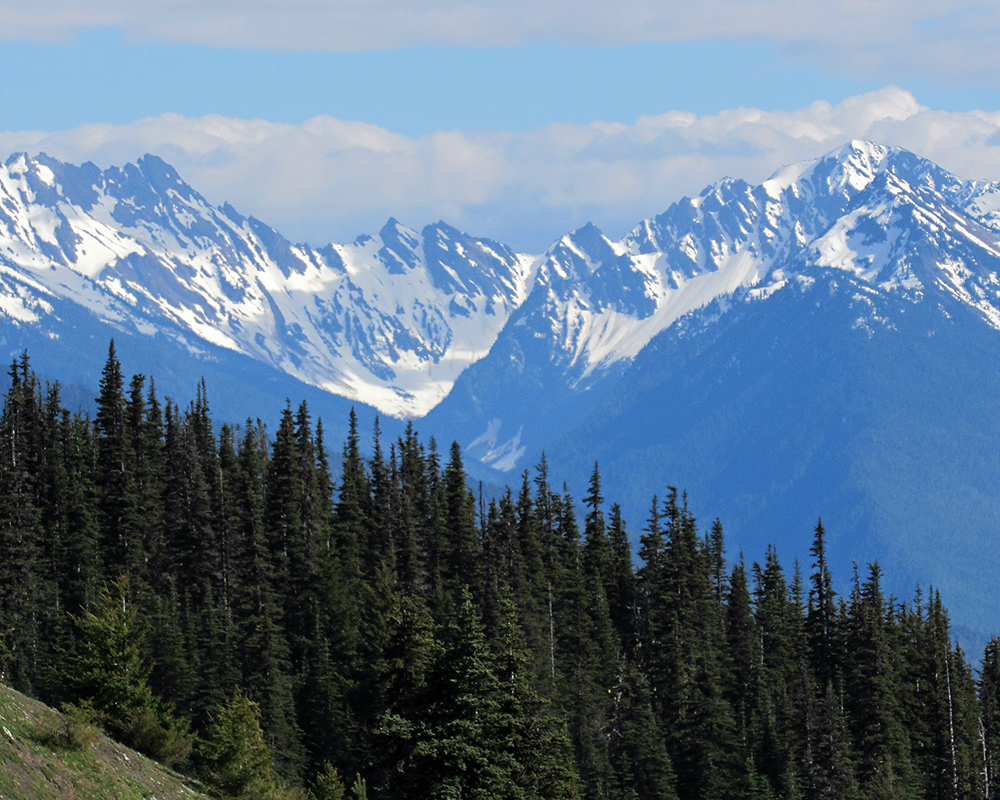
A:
(698, 720)
(779, 621)
(466, 752)
(832, 771)
(398, 651)
(822, 615)
(352, 520)
(989, 698)
(745, 682)
(110, 673)
(51, 489)
(144, 445)
(237, 759)
(122, 546)
(81, 568)
(716, 549)
(871, 692)
(650, 587)
(622, 591)
(638, 754)
(462, 545)
(535, 739)
(263, 647)
(596, 547)
(20, 552)
(285, 534)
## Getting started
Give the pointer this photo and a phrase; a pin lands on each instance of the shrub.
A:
(158, 735)
(79, 726)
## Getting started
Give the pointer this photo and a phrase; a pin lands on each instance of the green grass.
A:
(40, 761)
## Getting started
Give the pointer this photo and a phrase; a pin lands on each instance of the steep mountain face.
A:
(825, 343)
(829, 399)
(896, 225)
(390, 320)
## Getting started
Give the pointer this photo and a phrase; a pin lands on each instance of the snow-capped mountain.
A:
(895, 224)
(390, 320)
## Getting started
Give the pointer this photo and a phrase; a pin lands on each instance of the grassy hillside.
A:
(38, 761)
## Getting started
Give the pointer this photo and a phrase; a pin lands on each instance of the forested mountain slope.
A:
(396, 633)
(824, 343)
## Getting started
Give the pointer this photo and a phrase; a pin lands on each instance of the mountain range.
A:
(822, 344)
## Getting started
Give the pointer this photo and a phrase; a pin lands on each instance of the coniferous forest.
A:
(209, 595)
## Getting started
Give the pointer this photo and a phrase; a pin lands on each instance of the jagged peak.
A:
(589, 236)
(854, 164)
(861, 148)
(442, 229)
(18, 159)
(722, 186)
(157, 170)
(39, 166)
(394, 232)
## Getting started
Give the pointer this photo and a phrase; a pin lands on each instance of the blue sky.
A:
(513, 119)
(417, 89)
(100, 76)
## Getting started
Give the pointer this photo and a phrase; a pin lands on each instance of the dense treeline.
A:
(398, 630)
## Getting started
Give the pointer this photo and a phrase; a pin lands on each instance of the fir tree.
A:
(989, 698)
(122, 548)
(110, 673)
(871, 691)
(822, 615)
(20, 552)
(462, 542)
(237, 759)
(263, 647)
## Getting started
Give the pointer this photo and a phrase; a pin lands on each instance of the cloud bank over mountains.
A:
(330, 180)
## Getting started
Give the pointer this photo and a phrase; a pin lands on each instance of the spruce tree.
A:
(263, 649)
(20, 550)
(110, 673)
(622, 591)
(122, 545)
(462, 546)
(466, 752)
(871, 692)
(534, 737)
(822, 615)
(700, 728)
(236, 757)
(989, 699)
(638, 753)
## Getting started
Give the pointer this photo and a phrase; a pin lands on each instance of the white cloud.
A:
(330, 180)
(362, 24)
(885, 39)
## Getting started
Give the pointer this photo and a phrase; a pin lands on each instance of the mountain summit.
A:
(392, 320)
(389, 320)
(883, 221)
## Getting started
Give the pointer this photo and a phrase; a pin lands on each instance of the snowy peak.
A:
(460, 264)
(400, 246)
(892, 222)
(843, 172)
(394, 319)
(377, 321)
